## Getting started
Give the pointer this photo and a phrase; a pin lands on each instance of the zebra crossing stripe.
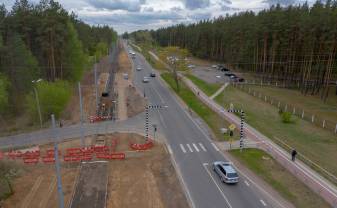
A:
(202, 147)
(182, 148)
(189, 147)
(195, 146)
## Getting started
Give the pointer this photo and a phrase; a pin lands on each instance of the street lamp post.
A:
(37, 100)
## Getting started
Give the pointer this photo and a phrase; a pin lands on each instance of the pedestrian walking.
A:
(61, 123)
(293, 155)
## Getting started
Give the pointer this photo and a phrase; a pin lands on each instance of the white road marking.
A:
(246, 182)
(202, 147)
(223, 195)
(169, 149)
(196, 148)
(189, 147)
(264, 203)
(215, 147)
(182, 148)
(161, 119)
(160, 97)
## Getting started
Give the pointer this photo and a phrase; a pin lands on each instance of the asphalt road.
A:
(193, 151)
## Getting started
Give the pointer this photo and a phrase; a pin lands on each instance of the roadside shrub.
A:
(53, 97)
(286, 117)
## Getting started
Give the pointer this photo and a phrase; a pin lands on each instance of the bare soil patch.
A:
(144, 179)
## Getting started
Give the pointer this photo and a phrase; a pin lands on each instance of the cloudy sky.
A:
(131, 15)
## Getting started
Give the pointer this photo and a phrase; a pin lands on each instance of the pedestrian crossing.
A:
(196, 147)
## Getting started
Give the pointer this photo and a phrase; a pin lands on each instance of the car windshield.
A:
(232, 175)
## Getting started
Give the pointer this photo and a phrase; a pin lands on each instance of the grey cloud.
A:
(128, 5)
(196, 4)
(148, 9)
(200, 16)
(134, 18)
(281, 2)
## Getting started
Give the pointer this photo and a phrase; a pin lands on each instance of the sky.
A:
(131, 15)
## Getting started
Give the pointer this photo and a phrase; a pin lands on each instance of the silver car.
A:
(146, 79)
(226, 172)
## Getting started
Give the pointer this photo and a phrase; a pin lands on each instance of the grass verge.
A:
(279, 178)
(213, 120)
(311, 104)
(315, 143)
(207, 88)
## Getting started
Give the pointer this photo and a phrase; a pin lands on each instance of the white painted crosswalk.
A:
(193, 147)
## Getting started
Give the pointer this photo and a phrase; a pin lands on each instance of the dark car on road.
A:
(226, 172)
(152, 74)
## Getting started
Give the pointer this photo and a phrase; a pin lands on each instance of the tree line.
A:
(44, 41)
(293, 45)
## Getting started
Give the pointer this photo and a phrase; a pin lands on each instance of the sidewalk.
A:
(312, 179)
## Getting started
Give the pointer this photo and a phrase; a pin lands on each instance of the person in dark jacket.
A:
(293, 155)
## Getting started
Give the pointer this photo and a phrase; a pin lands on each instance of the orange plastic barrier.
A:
(94, 119)
(31, 160)
(112, 156)
(147, 145)
(48, 160)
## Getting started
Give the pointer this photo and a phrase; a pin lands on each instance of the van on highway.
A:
(226, 172)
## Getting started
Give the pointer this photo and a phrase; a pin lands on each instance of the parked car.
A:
(240, 79)
(226, 172)
(139, 68)
(191, 66)
(146, 80)
(214, 66)
(223, 69)
(228, 73)
(152, 74)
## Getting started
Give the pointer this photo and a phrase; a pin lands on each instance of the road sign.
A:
(232, 127)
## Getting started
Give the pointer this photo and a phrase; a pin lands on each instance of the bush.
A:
(286, 117)
(53, 97)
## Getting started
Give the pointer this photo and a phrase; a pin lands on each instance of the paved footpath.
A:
(312, 179)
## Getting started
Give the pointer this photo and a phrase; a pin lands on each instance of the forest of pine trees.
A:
(293, 45)
(44, 41)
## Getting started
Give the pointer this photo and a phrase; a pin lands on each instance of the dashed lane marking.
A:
(196, 148)
(202, 147)
(190, 148)
(264, 203)
(215, 147)
(169, 149)
(183, 148)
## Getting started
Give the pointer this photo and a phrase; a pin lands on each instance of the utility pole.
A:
(38, 101)
(57, 164)
(81, 114)
(147, 119)
(242, 120)
(96, 89)
(38, 106)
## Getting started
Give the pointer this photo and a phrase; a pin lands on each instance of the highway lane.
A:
(194, 151)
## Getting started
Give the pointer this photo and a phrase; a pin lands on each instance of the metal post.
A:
(294, 111)
(265, 98)
(57, 165)
(336, 129)
(323, 124)
(312, 118)
(146, 122)
(286, 108)
(302, 114)
(96, 87)
(38, 106)
(81, 113)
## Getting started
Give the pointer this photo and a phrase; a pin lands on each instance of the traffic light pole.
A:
(242, 120)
